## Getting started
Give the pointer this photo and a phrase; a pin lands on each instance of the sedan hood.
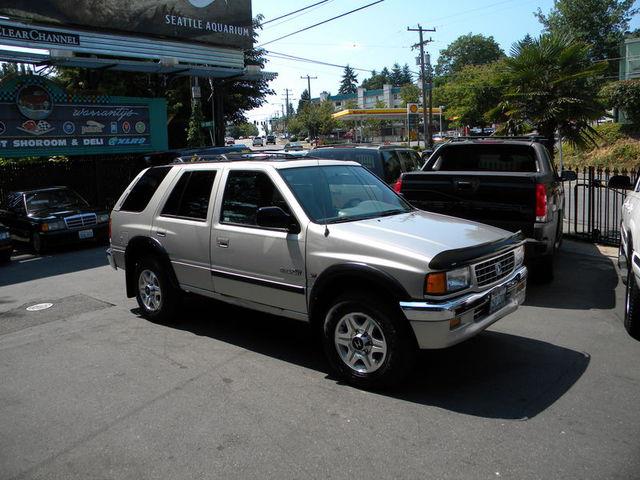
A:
(58, 214)
(418, 233)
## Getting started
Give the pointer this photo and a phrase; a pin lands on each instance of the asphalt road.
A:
(91, 390)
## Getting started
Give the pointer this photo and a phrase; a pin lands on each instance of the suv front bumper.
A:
(431, 321)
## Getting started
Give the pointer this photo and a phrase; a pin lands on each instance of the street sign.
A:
(412, 108)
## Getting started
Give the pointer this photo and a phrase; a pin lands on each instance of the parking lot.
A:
(91, 390)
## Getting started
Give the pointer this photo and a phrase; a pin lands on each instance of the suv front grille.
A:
(81, 221)
(495, 269)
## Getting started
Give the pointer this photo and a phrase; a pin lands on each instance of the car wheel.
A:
(367, 342)
(632, 305)
(37, 243)
(157, 298)
(5, 256)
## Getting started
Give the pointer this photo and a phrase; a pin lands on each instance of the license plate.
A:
(84, 234)
(498, 299)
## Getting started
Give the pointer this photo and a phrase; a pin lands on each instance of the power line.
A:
(321, 23)
(294, 12)
(298, 15)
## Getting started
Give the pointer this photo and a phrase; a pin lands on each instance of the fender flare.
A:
(144, 246)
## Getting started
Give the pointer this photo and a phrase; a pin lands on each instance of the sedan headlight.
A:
(53, 226)
(103, 218)
(447, 282)
(519, 256)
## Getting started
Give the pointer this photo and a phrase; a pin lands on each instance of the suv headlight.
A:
(103, 218)
(447, 282)
(53, 226)
(519, 256)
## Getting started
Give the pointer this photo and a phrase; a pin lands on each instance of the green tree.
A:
(195, 133)
(244, 129)
(468, 49)
(396, 75)
(407, 76)
(625, 96)
(550, 86)
(349, 82)
(472, 92)
(316, 118)
(599, 23)
(410, 93)
(304, 98)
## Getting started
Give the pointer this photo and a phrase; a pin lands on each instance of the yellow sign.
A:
(412, 108)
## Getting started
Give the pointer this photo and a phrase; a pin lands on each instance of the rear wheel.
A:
(5, 256)
(632, 304)
(367, 342)
(157, 298)
(37, 243)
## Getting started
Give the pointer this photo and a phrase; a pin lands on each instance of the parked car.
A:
(48, 217)
(321, 241)
(629, 252)
(508, 183)
(257, 142)
(271, 139)
(386, 161)
(229, 141)
(6, 247)
(293, 146)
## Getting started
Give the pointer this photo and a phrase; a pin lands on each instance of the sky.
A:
(377, 36)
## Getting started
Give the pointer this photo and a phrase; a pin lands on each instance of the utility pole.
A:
(309, 84)
(285, 109)
(426, 118)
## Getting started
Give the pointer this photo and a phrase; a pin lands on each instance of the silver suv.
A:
(322, 241)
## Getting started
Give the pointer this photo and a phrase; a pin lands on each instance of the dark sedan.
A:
(5, 244)
(53, 216)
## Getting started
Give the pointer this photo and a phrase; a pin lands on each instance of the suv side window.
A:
(245, 193)
(141, 193)
(391, 163)
(191, 196)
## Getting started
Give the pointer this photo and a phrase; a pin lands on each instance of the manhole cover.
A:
(39, 306)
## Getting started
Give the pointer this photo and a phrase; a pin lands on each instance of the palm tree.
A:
(552, 87)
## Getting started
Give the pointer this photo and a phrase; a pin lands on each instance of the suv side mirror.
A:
(275, 217)
(620, 182)
(568, 176)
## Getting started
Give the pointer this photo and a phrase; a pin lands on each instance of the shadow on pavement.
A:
(584, 279)
(494, 375)
(25, 266)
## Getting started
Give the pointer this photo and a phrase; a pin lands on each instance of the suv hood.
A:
(417, 234)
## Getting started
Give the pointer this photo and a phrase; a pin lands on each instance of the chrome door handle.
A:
(223, 242)
(161, 233)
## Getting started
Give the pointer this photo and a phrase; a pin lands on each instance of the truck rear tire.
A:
(157, 298)
(367, 342)
(632, 305)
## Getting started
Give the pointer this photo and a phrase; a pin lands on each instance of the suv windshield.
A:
(337, 193)
(54, 200)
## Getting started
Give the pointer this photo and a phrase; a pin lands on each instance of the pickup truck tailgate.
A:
(505, 200)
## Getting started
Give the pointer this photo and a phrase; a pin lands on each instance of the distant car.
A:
(389, 162)
(5, 244)
(53, 216)
(257, 142)
(229, 141)
(271, 139)
(293, 146)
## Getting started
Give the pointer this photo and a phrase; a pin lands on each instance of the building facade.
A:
(630, 59)
(389, 95)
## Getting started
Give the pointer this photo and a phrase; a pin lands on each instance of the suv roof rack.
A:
(241, 157)
(529, 138)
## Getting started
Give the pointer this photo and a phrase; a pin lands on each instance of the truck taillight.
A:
(398, 185)
(541, 203)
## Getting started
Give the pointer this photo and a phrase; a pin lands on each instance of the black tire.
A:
(401, 347)
(5, 256)
(632, 304)
(38, 244)
(164, 307)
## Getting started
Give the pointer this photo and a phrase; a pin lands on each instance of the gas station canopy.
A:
(378, 114)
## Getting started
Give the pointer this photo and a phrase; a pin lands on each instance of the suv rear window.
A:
(485, 158)
(141, 193)
(366, 158)
(191, 195)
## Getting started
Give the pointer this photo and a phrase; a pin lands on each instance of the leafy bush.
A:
(624, 95)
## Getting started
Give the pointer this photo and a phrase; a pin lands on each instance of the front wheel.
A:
(632, 304)
(157, 298)
(367, 342)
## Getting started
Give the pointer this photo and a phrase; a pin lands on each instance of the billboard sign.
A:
(38, 118)
(217, 22)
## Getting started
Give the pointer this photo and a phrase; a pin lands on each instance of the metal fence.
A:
(592, 209)
(100, 180)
